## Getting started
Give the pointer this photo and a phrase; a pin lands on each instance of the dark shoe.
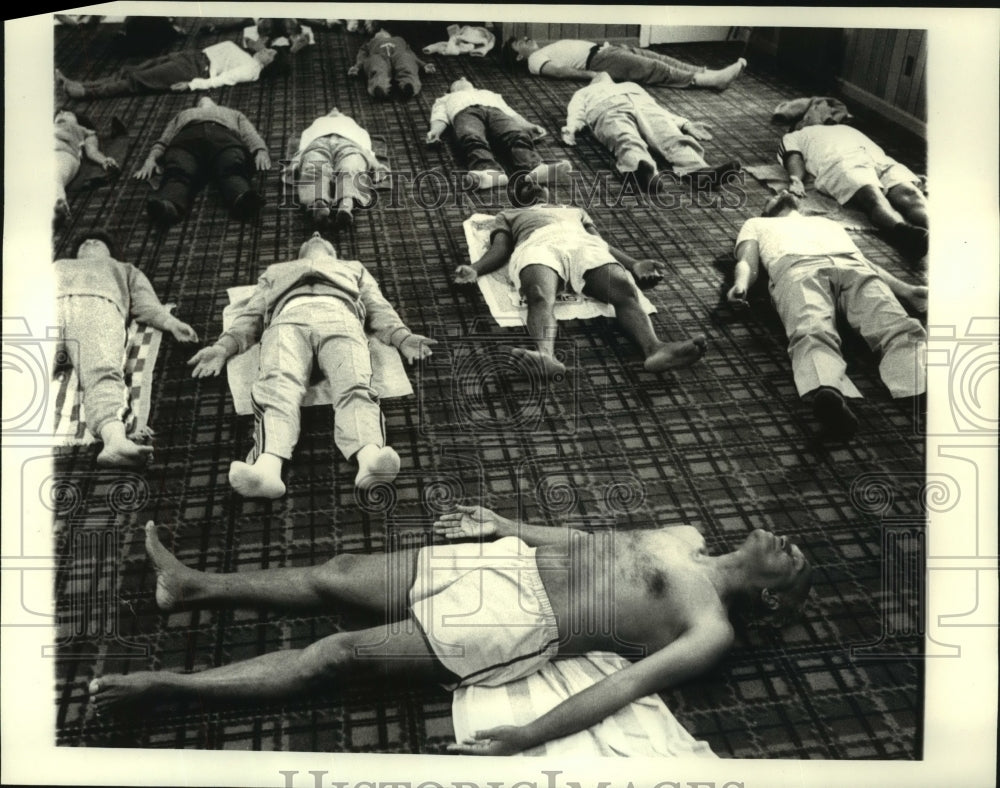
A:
(247, 205)
(407, 90)
(644, 175)
(162, 213)
(380, 93)
(910, 239)
(831, 411)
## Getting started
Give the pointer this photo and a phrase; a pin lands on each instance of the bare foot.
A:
(125, 453)
(672, 355)
(544, 172)
(110, 692)
(722, 78)
(488, 179)
(251, 481)
(376, 464)
(171, 588)
(551, 368)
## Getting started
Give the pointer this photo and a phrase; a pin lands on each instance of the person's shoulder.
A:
(687, 534)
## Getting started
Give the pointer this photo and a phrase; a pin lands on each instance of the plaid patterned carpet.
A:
(724, 446)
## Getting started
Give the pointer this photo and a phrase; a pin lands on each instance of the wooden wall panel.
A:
(889, 65)
(545, 32)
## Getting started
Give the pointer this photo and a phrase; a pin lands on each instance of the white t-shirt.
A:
(228, 65)
(826, 147)
(794, 237)
(568, 52)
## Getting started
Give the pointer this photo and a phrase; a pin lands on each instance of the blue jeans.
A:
(484, 132)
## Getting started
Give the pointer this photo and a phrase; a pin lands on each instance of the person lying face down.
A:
(487, 128)
(581, 60)
(312, 311)
(816, 272)
(206, 143)
(97, 296)
(515, 590)
(546, 247)
(853, 170)
(629, 122)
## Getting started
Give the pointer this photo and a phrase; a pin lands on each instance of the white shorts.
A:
(484, 611)
(843, 181)
(568, 251)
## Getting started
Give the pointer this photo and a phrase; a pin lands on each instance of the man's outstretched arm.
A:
(747, 269)
(692, 653)
(495, 258)
(478, 522)
(647, 273)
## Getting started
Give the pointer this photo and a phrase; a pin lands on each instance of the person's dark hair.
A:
(81, 119)
(98, 235)
(508, 55)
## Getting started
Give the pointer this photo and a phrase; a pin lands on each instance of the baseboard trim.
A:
(883, 108)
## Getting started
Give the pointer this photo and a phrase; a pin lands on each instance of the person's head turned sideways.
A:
(317, 247)
(517, 49)
(462, 83)
(776, 576)
(95, 245)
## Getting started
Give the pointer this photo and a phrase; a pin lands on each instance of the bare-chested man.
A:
(489, 612)
(547, 247)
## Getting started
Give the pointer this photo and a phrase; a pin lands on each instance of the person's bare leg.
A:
(280, 674)
(910, 202)
(539, 285)
(873, 203)
(910, 238)
(614, 285)
(119, 450)
(379, 582)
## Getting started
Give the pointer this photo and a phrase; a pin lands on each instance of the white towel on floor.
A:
(504, 299)
(389, 377)
(69, 419)
(644, 728)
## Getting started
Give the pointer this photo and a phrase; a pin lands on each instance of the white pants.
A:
(327, 330)
(807, 297)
